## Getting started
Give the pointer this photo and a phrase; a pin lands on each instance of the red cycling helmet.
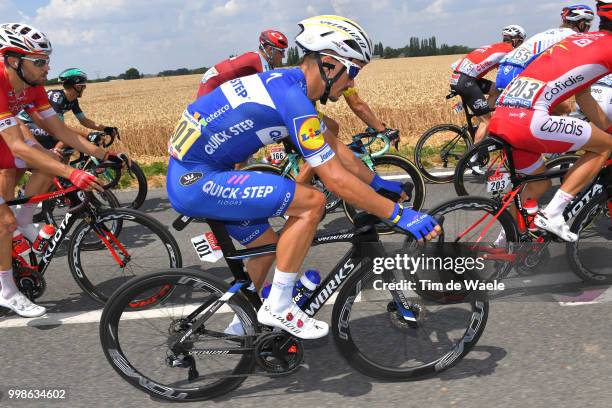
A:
(604, 9)
(273, 38)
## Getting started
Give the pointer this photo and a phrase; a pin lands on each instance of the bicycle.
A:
(388, 166)
(439, 149)
(127, 199)
(480, 219)
(134, 243)
(182, 335)
(493, 177)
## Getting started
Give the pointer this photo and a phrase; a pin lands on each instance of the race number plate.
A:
(521, 92)
(186, 132)
(277, 153)
(498, 182)
(207, 248)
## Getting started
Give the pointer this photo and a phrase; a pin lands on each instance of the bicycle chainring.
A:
(279, 353)
(29, 282)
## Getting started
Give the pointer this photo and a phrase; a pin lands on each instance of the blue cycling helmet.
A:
(577, 12)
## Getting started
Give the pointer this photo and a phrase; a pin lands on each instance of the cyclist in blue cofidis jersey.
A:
(242, 115)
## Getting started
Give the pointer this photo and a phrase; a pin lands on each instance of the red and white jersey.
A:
(482, 60)
(31, 99)
(248, 63)
(560, 72)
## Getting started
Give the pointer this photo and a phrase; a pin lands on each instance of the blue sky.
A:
(106, 37)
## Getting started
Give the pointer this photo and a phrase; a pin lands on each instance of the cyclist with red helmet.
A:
(524, 117)
(272, 46)
(23, 70)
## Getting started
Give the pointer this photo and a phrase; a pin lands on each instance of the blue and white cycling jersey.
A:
(517, 60)
(227, 125)
(242, 115)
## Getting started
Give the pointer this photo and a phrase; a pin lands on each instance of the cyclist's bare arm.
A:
(564, 108)
(33, 157)
(592, 109)
(363, 111)
(331, 124)
(90, 124)
(347, 158)
(346, 185)
(66, 135)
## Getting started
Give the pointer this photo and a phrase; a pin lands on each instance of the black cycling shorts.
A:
(45, 139)
(473, 91)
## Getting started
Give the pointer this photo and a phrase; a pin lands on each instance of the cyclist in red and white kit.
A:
(272, 46)
(24, 65)
(523, 117)
(468, 72)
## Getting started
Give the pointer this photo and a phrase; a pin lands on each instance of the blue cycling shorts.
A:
(245, 199)
(505, 74)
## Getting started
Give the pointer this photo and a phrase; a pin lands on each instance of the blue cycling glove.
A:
(378, 183)
(416, 223)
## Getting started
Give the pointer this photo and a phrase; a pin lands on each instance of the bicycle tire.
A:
(127, 216)
(418, 193)
(115, 177)
(344, 331)
(111, 335)
(421, 158)
(583, 266)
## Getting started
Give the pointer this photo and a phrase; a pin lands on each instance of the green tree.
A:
(132, 73)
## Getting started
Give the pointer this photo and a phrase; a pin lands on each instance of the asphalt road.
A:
(534, 352)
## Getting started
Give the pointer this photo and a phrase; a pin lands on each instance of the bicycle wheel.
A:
(438, 151)
(267, 168)
(143, 245)
(374, 338)
(393, 167)
(54, 211)
(205, 365)
(134, 192)
(476, 166)
(593, 223)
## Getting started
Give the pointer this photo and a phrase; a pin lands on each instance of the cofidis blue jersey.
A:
(229, 124)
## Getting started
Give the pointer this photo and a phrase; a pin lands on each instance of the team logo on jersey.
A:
(583, 42)
(188, 179)
(310, 135)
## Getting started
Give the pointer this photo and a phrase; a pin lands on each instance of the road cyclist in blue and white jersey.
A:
(242, 115)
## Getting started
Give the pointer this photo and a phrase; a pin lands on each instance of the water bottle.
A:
(305, 286)
(265, 291)
(531, 206)
(42, 239)
(21, 246)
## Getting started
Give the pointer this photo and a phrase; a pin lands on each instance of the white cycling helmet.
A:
(23, 39)
(339, 34)
(577, 12)
(514, 30)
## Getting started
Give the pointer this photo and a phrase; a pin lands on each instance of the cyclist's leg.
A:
(10, 296)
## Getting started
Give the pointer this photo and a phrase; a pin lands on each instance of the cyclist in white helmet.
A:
(468, 74)
(274, 105)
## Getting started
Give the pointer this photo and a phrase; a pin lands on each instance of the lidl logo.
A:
(310, 135)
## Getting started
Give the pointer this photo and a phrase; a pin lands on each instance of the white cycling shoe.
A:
(294, 321)
(555, 225)
(23, 306)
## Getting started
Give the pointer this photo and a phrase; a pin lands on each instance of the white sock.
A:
(25, 214)
(280, 292)
(558, 203)
(501, 238)
(8, 284)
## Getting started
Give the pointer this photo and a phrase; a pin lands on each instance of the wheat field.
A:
(405, 93)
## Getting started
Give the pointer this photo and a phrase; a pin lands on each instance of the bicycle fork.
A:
(109, 239)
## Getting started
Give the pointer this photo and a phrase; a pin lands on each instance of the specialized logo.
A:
(561, 86)
(188, 179)
(212, 72)
(273, 75)
(310, 135)
(562, 125)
